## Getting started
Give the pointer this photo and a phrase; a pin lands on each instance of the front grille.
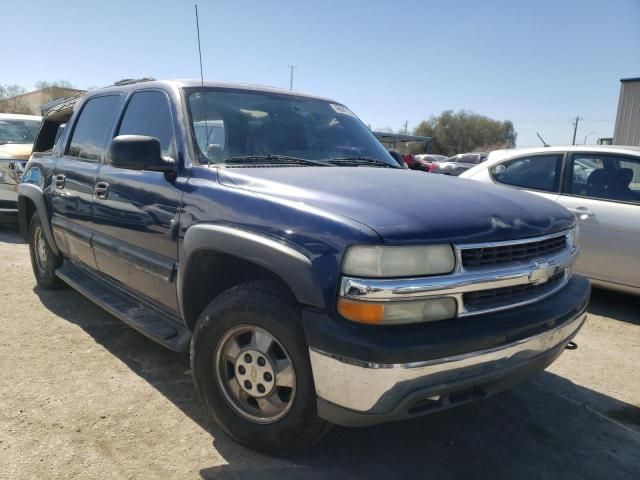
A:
(513, 253)
(498, 297)
(8, 204)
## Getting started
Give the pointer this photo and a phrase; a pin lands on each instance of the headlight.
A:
(573, 237)
(394, 313)
(411, 261)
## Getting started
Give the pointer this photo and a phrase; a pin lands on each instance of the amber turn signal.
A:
(361, 312)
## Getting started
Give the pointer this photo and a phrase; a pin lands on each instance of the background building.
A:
(31, 102)
(627, 129)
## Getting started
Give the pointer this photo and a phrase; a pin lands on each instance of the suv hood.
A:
(405, 206)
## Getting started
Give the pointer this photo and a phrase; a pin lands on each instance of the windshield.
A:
(231, 124)
(18, 131)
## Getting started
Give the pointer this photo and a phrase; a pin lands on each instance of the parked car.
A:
(392, 141)
(423, 161)
(457, 164)
(601, 185)
(17, 133)
(289, 260)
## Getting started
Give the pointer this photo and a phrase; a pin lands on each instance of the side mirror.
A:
(138, 152)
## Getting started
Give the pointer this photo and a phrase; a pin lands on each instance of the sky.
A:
(537, 63)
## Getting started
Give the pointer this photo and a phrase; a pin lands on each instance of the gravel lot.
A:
(83, 395)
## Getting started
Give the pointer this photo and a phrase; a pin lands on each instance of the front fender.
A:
(291, 265)
(34, 193)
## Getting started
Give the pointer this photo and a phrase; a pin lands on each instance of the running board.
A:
(148, 320)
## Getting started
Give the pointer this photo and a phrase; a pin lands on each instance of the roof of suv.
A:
(197, 83)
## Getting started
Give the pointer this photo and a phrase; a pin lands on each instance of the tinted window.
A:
(149, 113)
(537, 173)
(606, 177)
(89, 138)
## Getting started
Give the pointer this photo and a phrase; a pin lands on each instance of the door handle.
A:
(58, 181)
(101, 190)
(582, 212)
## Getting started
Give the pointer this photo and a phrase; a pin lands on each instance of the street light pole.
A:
(291, 76)
(587, 136)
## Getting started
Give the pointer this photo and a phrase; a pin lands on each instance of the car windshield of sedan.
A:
(18, 131)
(230, 126)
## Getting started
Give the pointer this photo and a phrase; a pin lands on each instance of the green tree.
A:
(42, 84)
(464, 131)
(54, 90)
(10, 101)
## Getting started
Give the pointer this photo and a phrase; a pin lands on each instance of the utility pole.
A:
(575, 130)
(291, 76)
(406, 126)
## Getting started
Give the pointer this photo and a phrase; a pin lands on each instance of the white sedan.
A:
(601, 185)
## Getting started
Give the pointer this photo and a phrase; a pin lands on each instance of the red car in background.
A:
(422, 161)
(391, 141)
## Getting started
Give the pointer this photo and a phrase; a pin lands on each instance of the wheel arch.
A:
(215, 258)
(31, 200)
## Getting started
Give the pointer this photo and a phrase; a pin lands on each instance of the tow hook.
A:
(571, 346)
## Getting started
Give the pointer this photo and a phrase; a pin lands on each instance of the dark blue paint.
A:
(408, 207)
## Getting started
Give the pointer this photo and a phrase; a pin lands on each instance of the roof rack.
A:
(69, 102)
(131, 81)
(61, 104)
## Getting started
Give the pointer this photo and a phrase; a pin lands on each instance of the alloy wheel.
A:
(255, 374)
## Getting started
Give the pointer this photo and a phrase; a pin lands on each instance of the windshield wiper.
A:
(358, 161)
(267, 159)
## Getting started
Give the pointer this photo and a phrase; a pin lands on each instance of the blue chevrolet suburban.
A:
(269, 234)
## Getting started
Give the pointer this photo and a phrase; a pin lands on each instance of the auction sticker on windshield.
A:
(342, 109)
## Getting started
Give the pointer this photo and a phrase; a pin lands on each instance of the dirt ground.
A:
(84, 396)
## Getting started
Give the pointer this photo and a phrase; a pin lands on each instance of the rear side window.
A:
(149, 113)
(606, 177)
(89, 139)
(540, 172)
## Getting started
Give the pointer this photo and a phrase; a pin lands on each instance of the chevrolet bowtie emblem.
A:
(541, 273)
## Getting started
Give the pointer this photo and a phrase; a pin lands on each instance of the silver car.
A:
(17, 133)
(601, 185)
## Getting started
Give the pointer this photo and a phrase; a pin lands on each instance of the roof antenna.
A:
(204, 101)
(542, 140)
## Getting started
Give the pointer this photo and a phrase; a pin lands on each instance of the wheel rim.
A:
(40, 248)
(255, 374)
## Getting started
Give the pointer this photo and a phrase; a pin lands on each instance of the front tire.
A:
(250, 364)
(44, 261)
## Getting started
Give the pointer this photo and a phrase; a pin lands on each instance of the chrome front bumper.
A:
(376, 389)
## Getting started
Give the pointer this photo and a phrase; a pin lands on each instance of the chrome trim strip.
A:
(377, 388)
(384, 290)
(464, 311)
(519, 241)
